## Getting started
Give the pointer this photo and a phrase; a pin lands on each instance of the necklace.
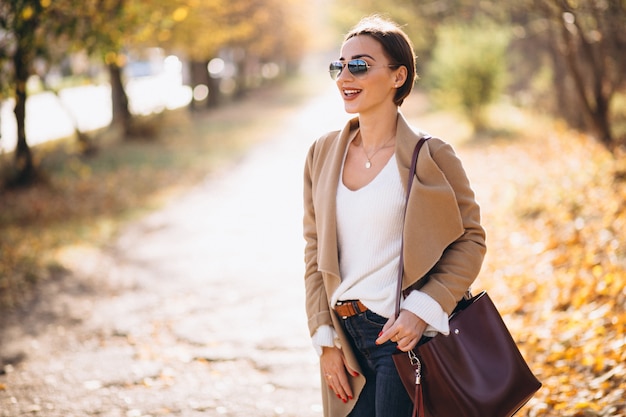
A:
(368, 163)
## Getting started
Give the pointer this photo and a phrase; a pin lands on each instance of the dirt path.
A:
(195, 310)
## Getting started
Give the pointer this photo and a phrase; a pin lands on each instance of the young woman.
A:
(354, 196)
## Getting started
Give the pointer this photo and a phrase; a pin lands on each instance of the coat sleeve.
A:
(318, 312)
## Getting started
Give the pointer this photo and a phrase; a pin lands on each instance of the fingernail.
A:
(355, 374)
(379, 334)
(344, 400)
(350, 397)
(338, 396)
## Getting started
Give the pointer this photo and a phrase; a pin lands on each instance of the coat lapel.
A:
(433, 219)
(328, 253)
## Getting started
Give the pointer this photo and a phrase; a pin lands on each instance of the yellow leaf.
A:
(27, 13)
(597, 271)
(180, 14)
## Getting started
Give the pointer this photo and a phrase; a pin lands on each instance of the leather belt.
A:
(349, 308)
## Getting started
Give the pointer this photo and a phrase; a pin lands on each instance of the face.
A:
(374, 89)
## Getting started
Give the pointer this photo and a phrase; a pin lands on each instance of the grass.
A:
(85, 200)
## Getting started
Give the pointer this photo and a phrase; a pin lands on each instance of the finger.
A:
(350, 370)
(345, 382)
(386, 335)
(333, 386)
(412, 343)
(389, 323)
(342, 387)
(338, 383)
(407, 343)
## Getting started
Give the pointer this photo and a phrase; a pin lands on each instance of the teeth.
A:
(350, 92)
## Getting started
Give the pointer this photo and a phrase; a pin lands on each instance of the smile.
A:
(350, 93)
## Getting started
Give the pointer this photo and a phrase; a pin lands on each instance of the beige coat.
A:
(443, 238)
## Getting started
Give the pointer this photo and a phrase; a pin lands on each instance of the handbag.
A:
(475, 371)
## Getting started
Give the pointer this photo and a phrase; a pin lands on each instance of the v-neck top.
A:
(369, 234)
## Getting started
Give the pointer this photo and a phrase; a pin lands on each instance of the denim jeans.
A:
(383, 394)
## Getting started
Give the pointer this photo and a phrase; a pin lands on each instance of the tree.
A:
(106, 28)
(249, 33)
(262, 29)
(591, 41)
(33, 29)
(583, 43)
(21, 22)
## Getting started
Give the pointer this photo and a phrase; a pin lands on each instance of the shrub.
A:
(468, 68)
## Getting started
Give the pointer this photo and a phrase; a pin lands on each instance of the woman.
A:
(354, 197)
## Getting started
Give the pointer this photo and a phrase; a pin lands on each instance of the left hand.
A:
(407, 330)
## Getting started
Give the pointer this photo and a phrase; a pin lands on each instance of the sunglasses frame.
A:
(357, 67)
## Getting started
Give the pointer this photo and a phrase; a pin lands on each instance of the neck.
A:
(376, 131)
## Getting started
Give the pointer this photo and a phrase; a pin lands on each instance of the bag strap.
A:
(412, 174)
(418, 406)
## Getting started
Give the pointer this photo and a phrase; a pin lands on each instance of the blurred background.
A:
(93, 63)
(111, 108)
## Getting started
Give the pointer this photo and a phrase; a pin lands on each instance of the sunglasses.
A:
(357, 67)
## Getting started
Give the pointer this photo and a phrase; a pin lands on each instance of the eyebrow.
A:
(359, 56)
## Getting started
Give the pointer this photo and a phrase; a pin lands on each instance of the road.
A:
(50, 117)
(196, 309)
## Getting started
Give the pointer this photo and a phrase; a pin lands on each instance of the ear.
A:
(400, 76)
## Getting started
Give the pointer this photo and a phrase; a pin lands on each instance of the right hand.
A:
(334, 368)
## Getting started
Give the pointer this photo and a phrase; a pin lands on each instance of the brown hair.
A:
(396, 45)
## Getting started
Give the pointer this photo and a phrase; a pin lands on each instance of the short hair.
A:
(396, 45)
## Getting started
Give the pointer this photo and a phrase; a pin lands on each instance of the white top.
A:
(369, 234)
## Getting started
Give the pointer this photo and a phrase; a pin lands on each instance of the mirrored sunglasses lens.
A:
(357, 66)
(335, 69)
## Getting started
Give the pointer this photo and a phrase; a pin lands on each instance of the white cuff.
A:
(324, 336)
(426, 308)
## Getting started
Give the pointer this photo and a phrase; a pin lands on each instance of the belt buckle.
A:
(338, 304)
(350, 303)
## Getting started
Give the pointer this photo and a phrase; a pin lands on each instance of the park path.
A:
(197, 309)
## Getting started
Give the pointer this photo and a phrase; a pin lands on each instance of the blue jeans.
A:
(383, 394)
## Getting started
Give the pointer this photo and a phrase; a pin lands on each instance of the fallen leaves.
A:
(557, 269)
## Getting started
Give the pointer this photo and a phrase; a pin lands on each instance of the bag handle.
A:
(412, 174)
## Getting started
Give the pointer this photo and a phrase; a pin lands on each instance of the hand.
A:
(407, 330)
(334, 367)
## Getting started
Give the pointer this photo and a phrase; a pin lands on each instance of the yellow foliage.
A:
(557, 262)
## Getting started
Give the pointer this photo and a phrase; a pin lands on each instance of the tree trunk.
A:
(25, 168)
(585, 62)
(566, 100)
(214, 92)
(199, 75)
(601, 121)
(119, 99)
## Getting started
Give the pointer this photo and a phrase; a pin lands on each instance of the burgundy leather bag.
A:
(475, 371)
